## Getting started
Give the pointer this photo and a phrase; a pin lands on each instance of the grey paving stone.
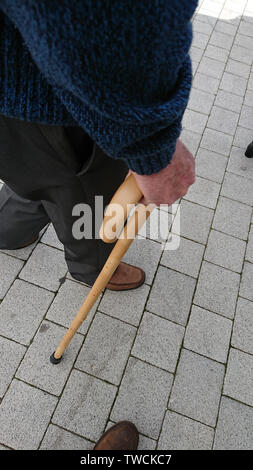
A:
(25, 413)
(246, 119)
(194, 67)
(247, 16)
(158, 225)
(216, 141)
(245, 28)
(181, 433)
(211, 67)
(145, 443)
(229, 101)
(235, 426)
(195, 221)
(204, 14)
(22, 253)
(145, 254)
(58, 439)
(85, 405)
(203, 192)
(233, 84)
(9, 269)
(232, 217)
(248, 98)
(67, 303)
(45, 267)
(225, 27)
(50, 238)
(239, 164)
(223, 120)
(242, 137)
(186, 259)
(208, 334)
(126, 305)
(242, 337)
(246, 281)
(200, 101)
(250, 82)
(205, 83)
(22, 311)
(225, 251)
(36, 367)
(210, 165)
(171, 295)
(220, 39)
(158, 342)
(239, 377)
(196, 53)
(241, 54)
(143, 397)
(249, 251)
(197, 387)
(216, 53)
(238, 188)
(11, 355)
(244, 41)
(200, 27)
(200, 40)
(106, 348)
(194, 121)
(217, 289)
(191, 140)
(238, 68)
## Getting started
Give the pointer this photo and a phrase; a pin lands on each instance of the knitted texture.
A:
(120, 69)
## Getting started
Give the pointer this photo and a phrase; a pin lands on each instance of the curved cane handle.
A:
(119, 208)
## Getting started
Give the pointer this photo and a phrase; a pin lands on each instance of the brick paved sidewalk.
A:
(176, 355)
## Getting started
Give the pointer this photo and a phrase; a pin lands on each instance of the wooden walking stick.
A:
(128, 193)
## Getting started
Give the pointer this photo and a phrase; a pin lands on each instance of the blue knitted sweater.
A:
(120, 69)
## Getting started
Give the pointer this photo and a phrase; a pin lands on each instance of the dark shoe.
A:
(122, 436)
(126, 277)
(34, 239)
(249, 151)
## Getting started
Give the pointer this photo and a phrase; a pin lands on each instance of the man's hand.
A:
(172, 182)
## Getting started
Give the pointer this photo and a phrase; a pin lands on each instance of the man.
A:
(88, 91)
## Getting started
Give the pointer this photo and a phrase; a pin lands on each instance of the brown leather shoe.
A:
(122, 436)
(126, 277)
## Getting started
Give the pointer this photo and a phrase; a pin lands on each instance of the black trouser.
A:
(47, 170)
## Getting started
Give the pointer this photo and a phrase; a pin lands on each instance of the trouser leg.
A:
(20, 219)
(46, 166)
(94, 188)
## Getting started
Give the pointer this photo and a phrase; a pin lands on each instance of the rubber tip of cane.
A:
(53, 359)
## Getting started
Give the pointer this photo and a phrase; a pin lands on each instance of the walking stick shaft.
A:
(131, 229)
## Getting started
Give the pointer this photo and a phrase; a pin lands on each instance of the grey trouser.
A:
(47, 170)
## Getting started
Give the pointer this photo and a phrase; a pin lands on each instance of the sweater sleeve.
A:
(120, 67)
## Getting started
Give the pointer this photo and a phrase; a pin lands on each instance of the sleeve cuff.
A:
(152, 163)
